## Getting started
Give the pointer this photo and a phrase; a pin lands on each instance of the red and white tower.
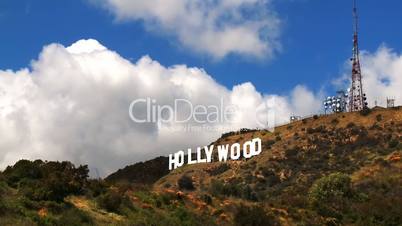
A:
(357, 99)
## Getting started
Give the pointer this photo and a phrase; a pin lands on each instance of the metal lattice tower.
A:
(357, 99)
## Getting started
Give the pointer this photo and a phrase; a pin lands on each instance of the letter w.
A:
(223, 152)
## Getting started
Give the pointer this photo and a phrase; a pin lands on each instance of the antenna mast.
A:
(357, 99)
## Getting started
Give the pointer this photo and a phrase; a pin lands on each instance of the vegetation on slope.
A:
(319, 171)
(146, 172)
(342, 169)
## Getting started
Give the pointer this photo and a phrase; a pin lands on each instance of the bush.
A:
(310, 130)
(74, 217)
(51, 181)
(378, 117)
(253, 216)
(270, 177)
(319, 129)
(315, 117)
(268, 143)
(207, 199)
(290, 153)
(328, 195)
(393, 143)
(110, 201)
(23, 169)
(96, 187)
(3, 193)
(186, 182)
(239, 190)
(216, 187)
(228, 134)
(183, 216)
(366, 111)
(221, 168)
(381, 200)
(3, 188)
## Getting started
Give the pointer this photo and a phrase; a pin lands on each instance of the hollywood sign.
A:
(225, 152)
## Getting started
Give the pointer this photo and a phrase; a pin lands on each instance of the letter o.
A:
(232, 151)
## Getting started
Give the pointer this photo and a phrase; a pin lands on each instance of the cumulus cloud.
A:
(382, 76)
(217, 28)
(73, 102)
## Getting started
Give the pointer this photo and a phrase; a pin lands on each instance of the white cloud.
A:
(73, 105)
(382, 76)
(214, 27)
(303, 101)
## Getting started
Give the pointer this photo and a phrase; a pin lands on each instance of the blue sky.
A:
(315, 37)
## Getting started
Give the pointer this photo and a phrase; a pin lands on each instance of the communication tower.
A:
(357, 99)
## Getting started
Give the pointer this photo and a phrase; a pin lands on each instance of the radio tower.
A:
(357, 99)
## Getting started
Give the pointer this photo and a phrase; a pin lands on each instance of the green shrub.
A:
(221, 168)
(216, 187)
(366, 111)
(291, 153)
(74, 217)
(40, 180)
(3, 191)
(381, 202)
(271, 178)
(186, 182)
(207, 199)
(393, 143)
(165, 198)
(182, 216)
(239, 190)
(110, 201)
(268, 143)
(23, 169)
(3, 188)
(253, 216)
(96, 187)
(334, 121)
(329, 194)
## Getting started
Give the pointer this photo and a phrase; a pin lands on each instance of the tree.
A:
(329, 194)
(40, 180)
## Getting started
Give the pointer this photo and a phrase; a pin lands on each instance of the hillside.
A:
(146, 172)
(340, 169)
